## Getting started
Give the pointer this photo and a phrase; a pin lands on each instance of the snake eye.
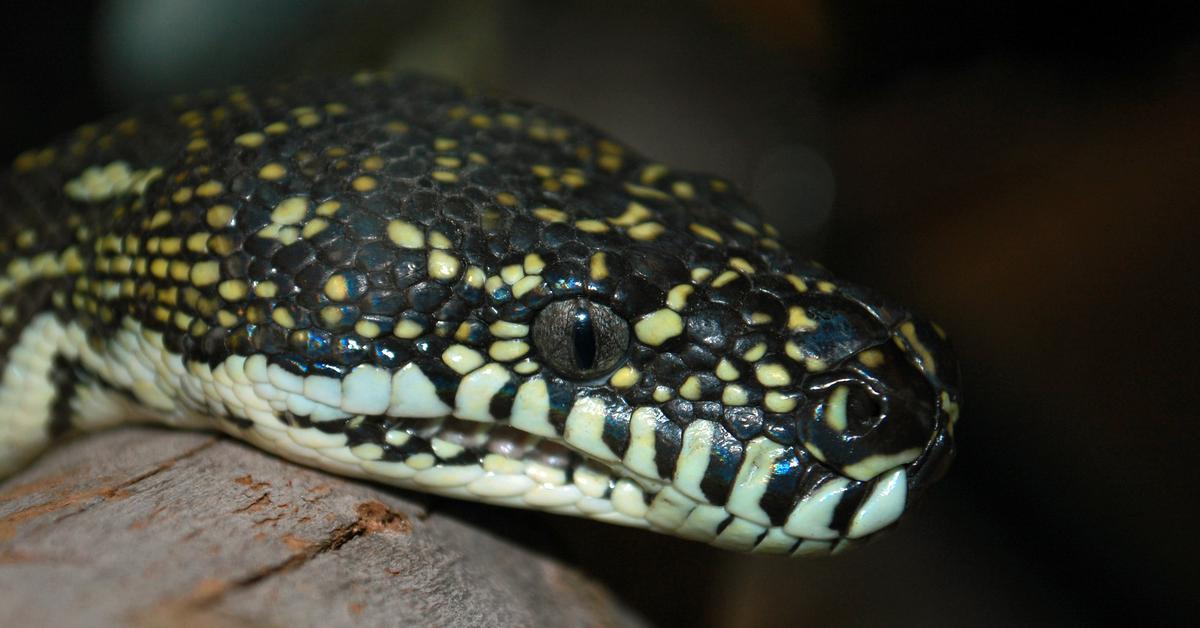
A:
(580, 339)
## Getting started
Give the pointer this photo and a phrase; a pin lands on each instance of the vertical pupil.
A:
(585, 339)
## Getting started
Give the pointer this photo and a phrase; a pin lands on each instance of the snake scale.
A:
(390, 277)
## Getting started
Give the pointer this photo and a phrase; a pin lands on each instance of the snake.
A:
(388, 276)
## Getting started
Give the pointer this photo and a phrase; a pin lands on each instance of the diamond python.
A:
(392, 278)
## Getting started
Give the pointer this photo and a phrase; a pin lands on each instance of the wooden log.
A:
(147, 527)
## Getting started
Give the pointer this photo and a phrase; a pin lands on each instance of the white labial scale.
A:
(584, 428)
(629, 499)
(883, 506)
(367, 390)
(810, 519)
(314, 438)
(322, 412)
(739, 535)
(758, 465)
(594, 506)
(809, 547)
(388, 471)
(256, 369)
(473, 399)
(701, 524)
(443, 475)
(27, 392)
(281, 379)
(324, 390)
(775, 542)
(621, 519)
(591, 482)
(531, 409)
(669, 509)
(552, 495)
(694, 458)
(639, 456)
(495, 485)
(414, 395)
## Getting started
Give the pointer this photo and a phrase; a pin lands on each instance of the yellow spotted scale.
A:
(393, 278)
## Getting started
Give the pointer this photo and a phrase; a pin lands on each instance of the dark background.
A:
(1029, 177)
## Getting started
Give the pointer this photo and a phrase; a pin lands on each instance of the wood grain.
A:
(147, 527)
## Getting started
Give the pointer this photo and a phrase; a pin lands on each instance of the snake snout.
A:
(886, 406)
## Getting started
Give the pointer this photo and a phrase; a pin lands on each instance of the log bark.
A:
(147, 527)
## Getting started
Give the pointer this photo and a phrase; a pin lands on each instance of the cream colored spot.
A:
(726, 371)
(439, 241)
(624, 377)
(314, 226)
(442, 265)
(364, 184)
(209, 189)
(219, 216)
(815, 365)
(755, 353)
(871, 358)
(909, 331)
(835, 409)
(550, 215)
(233, 290)
(658, 327)
(205, 273)
(662, 394)
(645, 231)
(505, 329)
(724, 278)
(634, 214)
(272, 172)
(276, 128)
(744, 227)
(683, 189)
(598, 266)
(797, 283)
(772, 375)
(734, 395)
(408, 329)
(825, 286)
(250, 140)
(526, 284)
(512, 274)
(406, 235)
(677, 297)
(282, 316)
(591, 226)
(798, 320)
(290, 211)
(338, 287)
(508, 350)
(462, 359)
(328, 208)
(690, 389)
(475, 277)
(266, 289)
(534, 264)
(705, 232)
(776, 401)
(760, 318)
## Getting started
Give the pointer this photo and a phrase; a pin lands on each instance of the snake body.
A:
(389, 277)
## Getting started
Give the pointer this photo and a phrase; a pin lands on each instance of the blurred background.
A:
(1029, 177)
